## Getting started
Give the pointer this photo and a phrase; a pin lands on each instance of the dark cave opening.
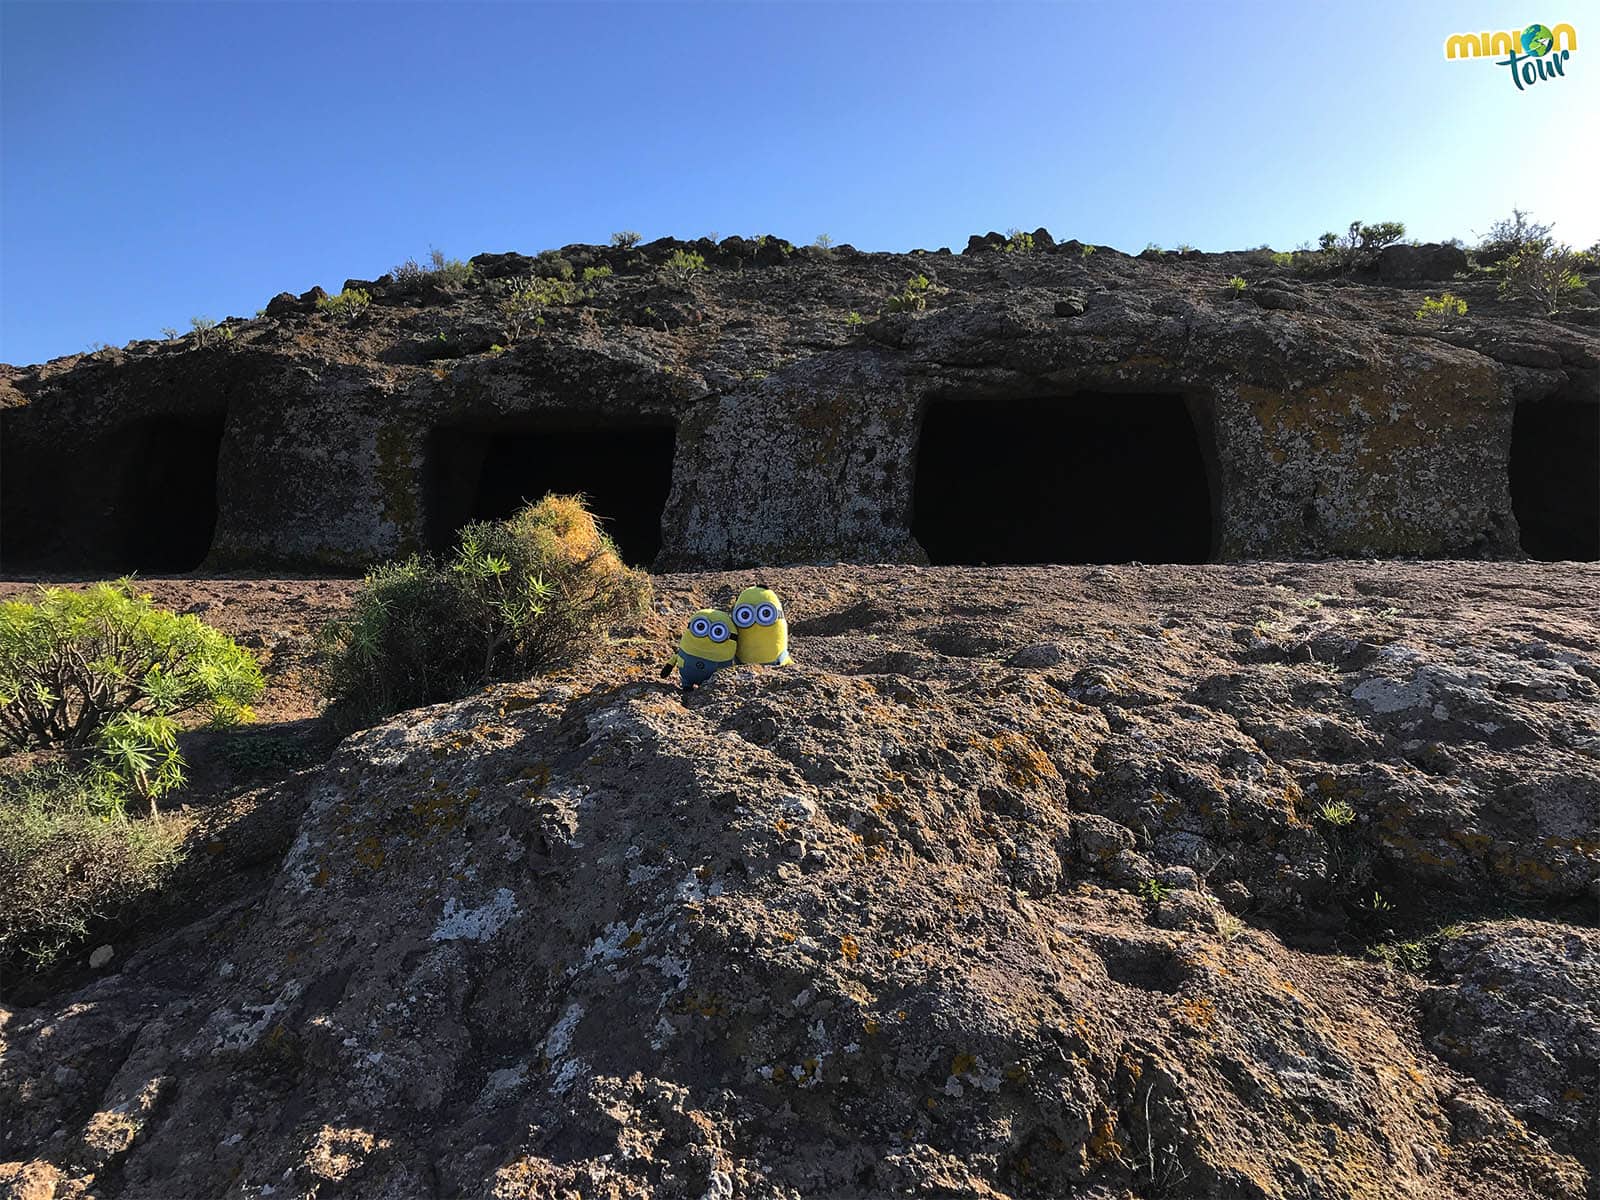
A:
(481, 473)
(166, 513)
(1555, 478)
(1078, 479)
(141, 498)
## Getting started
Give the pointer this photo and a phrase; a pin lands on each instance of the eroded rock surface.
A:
(1019, 883)
(773, 409)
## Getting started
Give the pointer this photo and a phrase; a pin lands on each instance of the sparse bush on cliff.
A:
(1236, 285)
(625, 239)
(525, 300)
(201, 326)
(70, 857)
(1546, 274)
(603, 271)
(1018, 242)
(913, 297)
(1517, 234)
(72, 661)
(347, 305)
(532, 593)
(450, 274)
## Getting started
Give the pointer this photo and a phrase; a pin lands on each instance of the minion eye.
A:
(699, 627)
(744, 616)
(766, 614)
(719, 632)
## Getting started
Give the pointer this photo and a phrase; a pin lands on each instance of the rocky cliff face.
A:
(1020, 883)
(1055, 405)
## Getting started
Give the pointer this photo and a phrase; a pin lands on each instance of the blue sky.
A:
(166, 160)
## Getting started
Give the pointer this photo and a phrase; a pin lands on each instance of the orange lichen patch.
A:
(871, 1026)
(849, 948)
(1102, 1145)
(1198, 1012)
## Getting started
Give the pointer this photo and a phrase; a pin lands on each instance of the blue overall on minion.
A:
(707, 646)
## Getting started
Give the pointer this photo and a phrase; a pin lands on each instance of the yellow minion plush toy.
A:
(706, 647)
(762, 630)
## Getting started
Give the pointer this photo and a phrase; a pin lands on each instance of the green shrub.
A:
(347, 305)
(201, 327)
(72, 661)
(823, 242)
(1547, 275)
(683, 265)
(69, 857)
(626, 239)
(1283, 258)
(603, 271)
(1445, 309)
(852, 318)
(168, 332)
(1236, 285)
(1019, 242)
(913, 297)
(530, 594)
(547, 264)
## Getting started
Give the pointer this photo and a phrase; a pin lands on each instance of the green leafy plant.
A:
(683, 265)
(1283, 258)
(1445, 310)
(1153, 890)
(533, 593)
(201, 326)
(823, 242)
(347, 305)
(1185, 248)
(71, 661)
(852, 318)
(70, 858)
(137, 755)
(1336, 813)
(1236, 285)
(1086, 251)
(603, 271)
(913, 297)
(1151, 250)
(625, 239)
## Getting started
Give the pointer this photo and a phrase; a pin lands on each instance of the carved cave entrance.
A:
(1077, 479)
(485, 472)
(142, 498)
(1555, 478)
